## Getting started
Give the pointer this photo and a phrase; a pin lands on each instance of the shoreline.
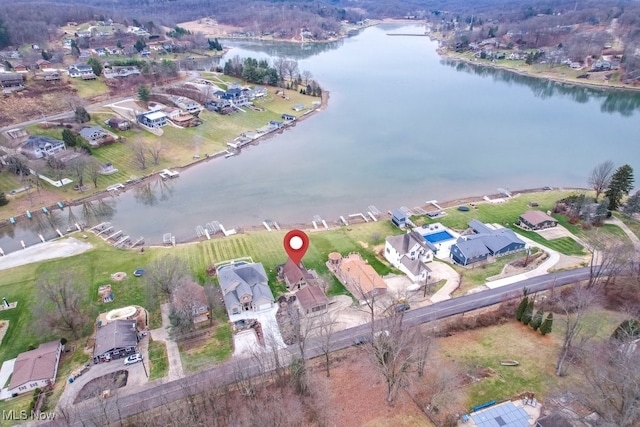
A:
(334, 225)
(444, 53)
(324, 102)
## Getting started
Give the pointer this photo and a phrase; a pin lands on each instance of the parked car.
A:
(402, 307)
(134, 358)
(361, 340)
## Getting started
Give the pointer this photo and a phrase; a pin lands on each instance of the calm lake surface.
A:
(403, 126)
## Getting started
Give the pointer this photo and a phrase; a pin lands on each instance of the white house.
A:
(38, 146)
(408, 253)
(36, 368)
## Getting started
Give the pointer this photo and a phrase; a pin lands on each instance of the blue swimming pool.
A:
(440, 236)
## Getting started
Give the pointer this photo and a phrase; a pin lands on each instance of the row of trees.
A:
(538, 320)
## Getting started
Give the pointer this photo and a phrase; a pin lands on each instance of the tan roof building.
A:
(36, 368)
(537, 220)
(360, 278)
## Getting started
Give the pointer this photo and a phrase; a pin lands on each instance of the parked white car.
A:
(134, 358)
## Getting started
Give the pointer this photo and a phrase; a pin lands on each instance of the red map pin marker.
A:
(296, 243)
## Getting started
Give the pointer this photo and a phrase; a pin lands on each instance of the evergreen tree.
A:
(521, 308)
(144, 94)
(621, 185)
(139, 45)
(633, 204)
(5, 39)
(528, 313)
(69, 138)
(82, 116)
(3, 199)
(536, 321)
(96, 65)
(547, 324)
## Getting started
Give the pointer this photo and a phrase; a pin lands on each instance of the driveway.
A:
(137, 377)
(173, 353)
(267, 319)
(442, 271)
(5, 373)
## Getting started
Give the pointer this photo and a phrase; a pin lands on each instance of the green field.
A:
(88, 89)
(215, 349)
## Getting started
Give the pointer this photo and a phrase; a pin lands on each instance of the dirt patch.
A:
(97, 386)
(357, 395)
(39, 99)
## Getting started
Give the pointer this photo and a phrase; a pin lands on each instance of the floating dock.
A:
(12, 220)
(60, 205)
(115, 187)
(45, 210)
(168, 174)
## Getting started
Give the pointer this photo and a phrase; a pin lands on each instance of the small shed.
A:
(399, 218)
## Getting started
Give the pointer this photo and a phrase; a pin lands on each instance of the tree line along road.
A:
(158, 393)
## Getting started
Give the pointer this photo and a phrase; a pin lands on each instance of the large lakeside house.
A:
(485, 241)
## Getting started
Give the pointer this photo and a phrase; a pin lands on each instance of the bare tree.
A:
(154, 151)
(183, 308)
(306, 75)
(613, 377)
(325, 329)
(139, 151)
(392, 352)
(77, 167)
(600, 177)
(422, 348)
(574, 303)
(61, 303)
(163, 275)
(609, 257)
(93, 170)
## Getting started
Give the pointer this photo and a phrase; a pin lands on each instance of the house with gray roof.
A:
(408, 252)
(35, 368)
(38, 146)
(115, 340)
(486, 241)
(95, 135)
(245, 287)
(81, 70)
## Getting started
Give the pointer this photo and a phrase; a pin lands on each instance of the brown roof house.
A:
(190, 295)
(295, 275)
(36, 368)
(359, 277)
(115, 340)
(306, 284)
(537, 220)
(312, 300)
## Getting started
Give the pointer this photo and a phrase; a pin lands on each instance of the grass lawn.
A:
(216, 348)
(634, 225)
(475, 276)
(158, 360)
(537, 354)
(564, 245)
(502, 213)
(88, 89)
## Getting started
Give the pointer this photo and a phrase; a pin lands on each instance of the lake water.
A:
(403, 126)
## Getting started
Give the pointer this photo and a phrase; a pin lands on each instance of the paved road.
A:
(130, 401)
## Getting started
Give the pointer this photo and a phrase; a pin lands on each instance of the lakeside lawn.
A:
(94, 268)
(178, 146)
